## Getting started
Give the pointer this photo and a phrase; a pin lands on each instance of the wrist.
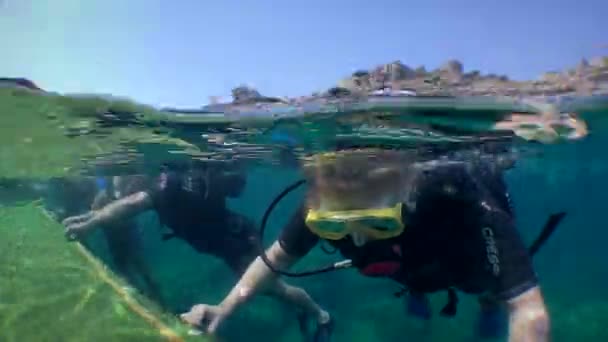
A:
(238, 296)
(96, 218)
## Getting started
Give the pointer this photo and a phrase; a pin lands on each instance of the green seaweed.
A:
(51, 290)
(44, 136)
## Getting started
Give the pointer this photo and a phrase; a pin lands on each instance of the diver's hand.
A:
(76, 226)
(207, 317)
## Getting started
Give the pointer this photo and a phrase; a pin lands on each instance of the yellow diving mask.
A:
(379, 224)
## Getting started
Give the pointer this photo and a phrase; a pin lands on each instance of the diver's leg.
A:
(124, 246)
(307, 307)
(418, 305)
(120, 250)
(117, 240)
(140, 266)
(492, 319)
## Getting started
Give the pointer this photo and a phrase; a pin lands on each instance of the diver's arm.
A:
(257, 277)
(294, 242)
(123, 208)
(118, 210)
(528, 317)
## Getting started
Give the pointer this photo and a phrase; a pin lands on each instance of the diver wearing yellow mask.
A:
(431, 226)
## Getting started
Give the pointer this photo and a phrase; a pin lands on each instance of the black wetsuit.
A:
(192, 203)
(460, 233)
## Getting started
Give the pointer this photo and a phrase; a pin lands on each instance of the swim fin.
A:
(324, 331)
(303, 325)
(449, 310)
(552, 222)
(418, 305)
(492, 319)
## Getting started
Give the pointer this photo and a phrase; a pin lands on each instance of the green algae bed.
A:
(50, 135)
(53, 290)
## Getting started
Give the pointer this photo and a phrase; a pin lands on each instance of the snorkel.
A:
(334, 266)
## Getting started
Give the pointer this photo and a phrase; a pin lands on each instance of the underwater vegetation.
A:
(54, 291)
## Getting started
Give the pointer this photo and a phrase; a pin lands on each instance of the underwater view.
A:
(397, 203)
(130, 280)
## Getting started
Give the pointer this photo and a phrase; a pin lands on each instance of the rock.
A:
(453, 66)
(472, 75)
(551, 77)
(360, 83)
(585, 78)
(379, 77)
(453, 70)
(420, 71)
(582, 66)
(398, 71)
(599, 76)
(599, 62)
(360, 73)
(245, 94)
(18, 82)
(338, 92)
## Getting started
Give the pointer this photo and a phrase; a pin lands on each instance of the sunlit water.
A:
(48, 137)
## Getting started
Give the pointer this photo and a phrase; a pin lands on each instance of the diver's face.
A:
(356, 182)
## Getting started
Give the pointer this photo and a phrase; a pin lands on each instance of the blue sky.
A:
(182, 51)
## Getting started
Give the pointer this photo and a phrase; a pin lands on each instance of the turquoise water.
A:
(568, 176)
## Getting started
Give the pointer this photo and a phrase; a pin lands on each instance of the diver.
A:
(190, 200)
(431, 225)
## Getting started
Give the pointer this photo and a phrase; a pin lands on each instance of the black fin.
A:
(324, 331)
(552, 222)
(303, 326)
(450, 308)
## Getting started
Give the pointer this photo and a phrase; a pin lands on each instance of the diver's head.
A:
(357, 194)
(356, 179)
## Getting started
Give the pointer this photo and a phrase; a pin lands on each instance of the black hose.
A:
(262, 253)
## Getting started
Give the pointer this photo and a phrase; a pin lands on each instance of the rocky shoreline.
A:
(585, 79)
(588, 78)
